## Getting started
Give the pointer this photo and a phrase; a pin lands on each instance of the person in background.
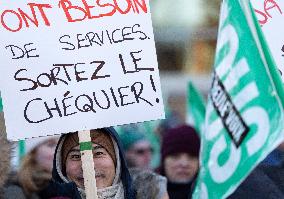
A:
(180, 160)
(35, 170)
(5, 151)
(138, 150)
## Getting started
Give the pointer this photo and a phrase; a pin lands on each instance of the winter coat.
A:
(5, 151)
(265, 182)
(276, 174)
(179, 190)
(59, 188)
(148, 184)
(14, 190)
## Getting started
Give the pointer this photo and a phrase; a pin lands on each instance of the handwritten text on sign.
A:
(72, 65)
(270, 15)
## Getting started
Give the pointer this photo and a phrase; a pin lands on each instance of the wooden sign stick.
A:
(89, 173)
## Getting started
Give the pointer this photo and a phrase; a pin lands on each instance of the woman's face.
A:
(103, 163)
(181, 167)
(44, 154)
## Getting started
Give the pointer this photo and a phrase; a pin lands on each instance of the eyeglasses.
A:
(143, 151)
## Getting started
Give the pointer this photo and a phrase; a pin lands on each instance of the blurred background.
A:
(185, 34)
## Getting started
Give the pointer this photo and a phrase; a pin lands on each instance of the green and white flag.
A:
(244, 115)
(195, 108)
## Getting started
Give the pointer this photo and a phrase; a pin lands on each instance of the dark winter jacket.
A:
(59, 188)
(276, 174)
(179, 191)
(265, 182)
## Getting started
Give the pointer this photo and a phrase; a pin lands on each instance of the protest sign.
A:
(244, 117)
(70, 65)
(270, 15)
(195, 108)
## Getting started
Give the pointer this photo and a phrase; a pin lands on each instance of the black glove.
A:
(63, 190)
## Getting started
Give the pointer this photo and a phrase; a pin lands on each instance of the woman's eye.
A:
(98, 153)
(75, 157)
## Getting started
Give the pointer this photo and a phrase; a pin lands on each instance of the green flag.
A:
(244, 118)
(195, 108)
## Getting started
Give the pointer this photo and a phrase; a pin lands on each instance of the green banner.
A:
(22, 149)
(195, 108)
(244, 117)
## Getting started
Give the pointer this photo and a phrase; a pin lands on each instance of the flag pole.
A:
(89, 173)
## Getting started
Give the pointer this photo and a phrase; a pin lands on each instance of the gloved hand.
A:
(56, 190)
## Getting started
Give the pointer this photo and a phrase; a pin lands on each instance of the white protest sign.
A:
(70, 65)
(270, 15)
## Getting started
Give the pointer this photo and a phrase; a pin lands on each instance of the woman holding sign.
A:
(112, 176)
(113, 179)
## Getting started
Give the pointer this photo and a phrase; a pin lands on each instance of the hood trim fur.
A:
(5, 151)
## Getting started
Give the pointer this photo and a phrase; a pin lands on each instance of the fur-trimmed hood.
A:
(5, 151)
(148, 184)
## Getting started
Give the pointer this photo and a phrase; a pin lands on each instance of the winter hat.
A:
(180, 139)
(98, 137)
(129, 138)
